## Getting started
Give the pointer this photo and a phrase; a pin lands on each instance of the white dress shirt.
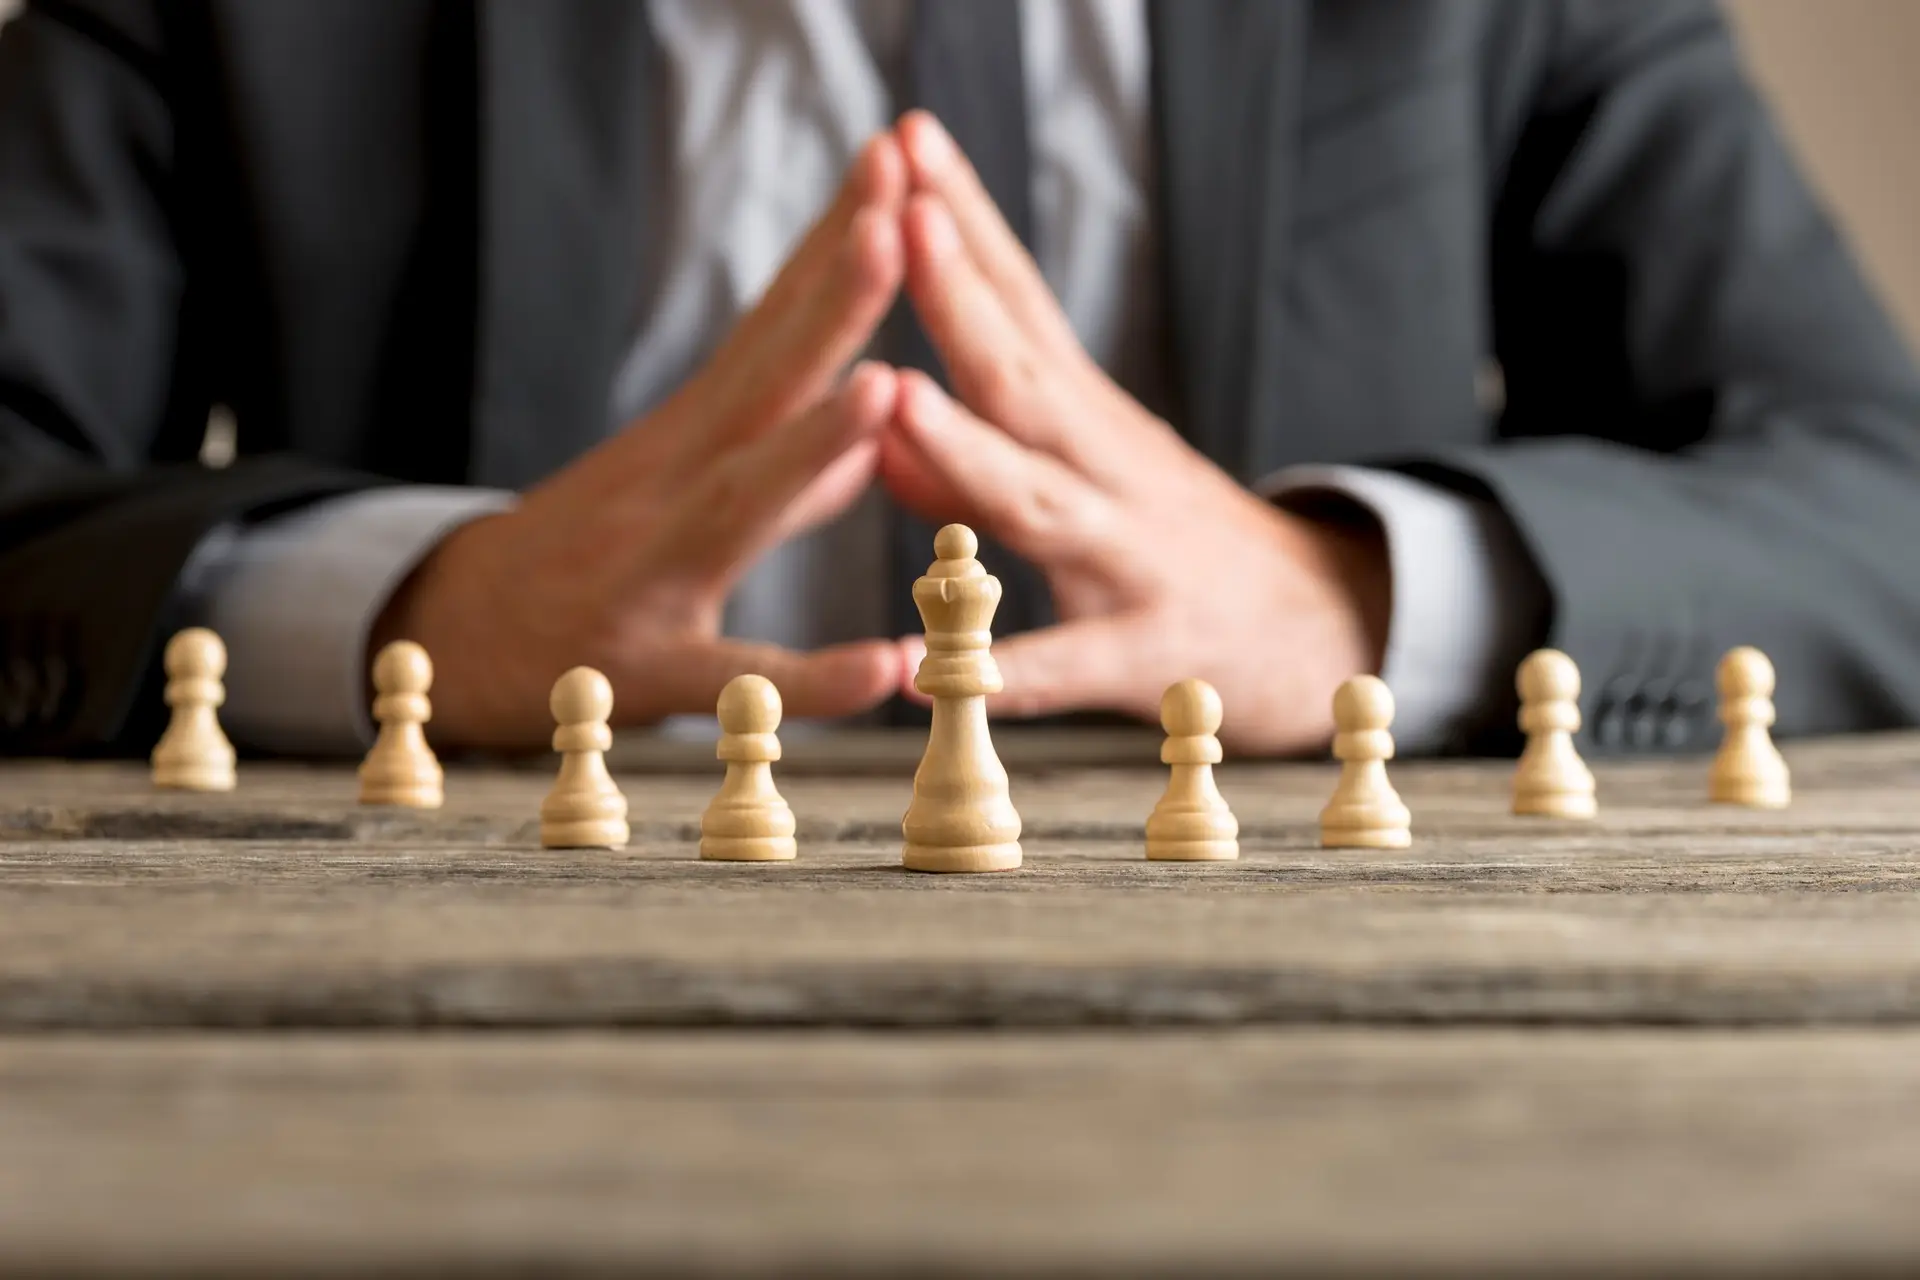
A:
(769, 104)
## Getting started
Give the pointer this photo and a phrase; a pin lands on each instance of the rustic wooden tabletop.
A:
(272, 1027)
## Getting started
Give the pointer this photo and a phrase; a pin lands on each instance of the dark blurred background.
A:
(1840, 73)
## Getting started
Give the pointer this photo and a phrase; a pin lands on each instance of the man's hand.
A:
(623, 561)
(1161, 565)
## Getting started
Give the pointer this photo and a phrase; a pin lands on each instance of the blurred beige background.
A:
(1841, 75)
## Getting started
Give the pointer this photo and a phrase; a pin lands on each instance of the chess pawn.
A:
(584, 810)
(1191, 823)
(194, 754)
(1365, 811)
(401, 768)
(748, 820)
(1551, 780)
(962, 816)
(1748, 768)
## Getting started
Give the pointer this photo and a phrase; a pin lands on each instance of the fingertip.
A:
(916, 383)
(875, 256)
(928, 146)
(881, 170)
(929, 227)
(851, 678)
(916, 482)
(921, 402)
(872, 388)
(913, 652)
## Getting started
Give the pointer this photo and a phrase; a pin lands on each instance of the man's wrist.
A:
(1346, 552)
(405, 614)
(1466, 600)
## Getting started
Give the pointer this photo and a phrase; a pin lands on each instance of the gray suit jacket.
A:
(399, 238)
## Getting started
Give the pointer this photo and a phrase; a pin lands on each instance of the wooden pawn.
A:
(194, 754)
(1551, 779)
(1192, 822)
(401, 768)
(1748, 769)
(748, 820)
(585, 810)
(1365, 811)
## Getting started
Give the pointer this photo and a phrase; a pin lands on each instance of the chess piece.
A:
(401, 768)
(1551, 780)
(194, 754)
(584, 810)
(748, 820)
(1748, 768)
(1191, 823)
(1365, 811)
(962, 817)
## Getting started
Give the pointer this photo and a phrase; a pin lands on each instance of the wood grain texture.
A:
(1265, 1152)
(855, 786)
(1505, 1108)
(305, 911)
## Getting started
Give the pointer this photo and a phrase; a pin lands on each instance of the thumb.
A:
(840, 680)
(1091, 664)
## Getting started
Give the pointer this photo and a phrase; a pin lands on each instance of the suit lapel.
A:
(1227, 87)
(568, 96)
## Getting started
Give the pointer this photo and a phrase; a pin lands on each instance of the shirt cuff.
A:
(295, 598)
(1467, 599)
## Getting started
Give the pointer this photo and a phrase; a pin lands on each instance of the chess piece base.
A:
(962, 859)
(176, 777)
(403, 795)
(1173, 850)
(1557, 804)
(591, 833)
(748, 848)
(1750, 795)
(1365, 838)
(1177, 834)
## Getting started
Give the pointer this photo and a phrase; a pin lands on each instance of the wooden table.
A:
(273, 1026)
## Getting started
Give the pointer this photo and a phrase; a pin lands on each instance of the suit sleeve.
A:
(94, 532)
(1712, 430)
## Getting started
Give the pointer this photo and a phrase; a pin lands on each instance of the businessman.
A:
(1266, 340)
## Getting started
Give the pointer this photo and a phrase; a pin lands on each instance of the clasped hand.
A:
(1161, 565)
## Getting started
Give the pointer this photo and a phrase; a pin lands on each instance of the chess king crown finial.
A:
(957, 599)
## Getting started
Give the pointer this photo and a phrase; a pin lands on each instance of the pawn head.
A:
(196, 654)
(749, 704)
(1548, 675)
(1745, 673)
(403, 667)
(955, 542)
(581, 696)
(1361, 704)
(1190, 709)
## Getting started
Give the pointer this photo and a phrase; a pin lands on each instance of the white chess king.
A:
(962, 816)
